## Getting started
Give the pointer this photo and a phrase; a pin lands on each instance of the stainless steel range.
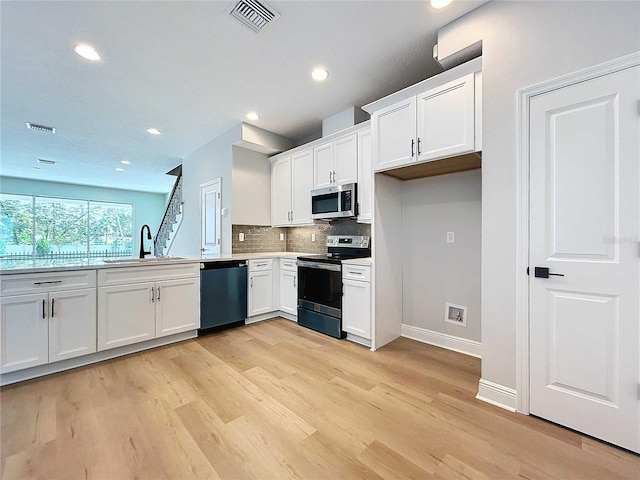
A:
(320, 283)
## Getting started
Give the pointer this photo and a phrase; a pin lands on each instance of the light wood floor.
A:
(273, 400)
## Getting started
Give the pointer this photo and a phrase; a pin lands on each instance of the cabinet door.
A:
(323, 166)
(301, 186)
(394, 134)
(24, 332)
(289, 292)
(345, 160)
(356, 308)
(72, 324)
(177, 306)
(365, 177)
(260, 292)
(281, 191)
(446, 120)
(126, 314)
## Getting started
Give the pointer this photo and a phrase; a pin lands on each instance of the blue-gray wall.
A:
(147, 207)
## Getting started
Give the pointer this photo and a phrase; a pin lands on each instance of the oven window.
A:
(327, 203)
(320, 286)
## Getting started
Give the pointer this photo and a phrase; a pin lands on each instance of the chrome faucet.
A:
(143, 252)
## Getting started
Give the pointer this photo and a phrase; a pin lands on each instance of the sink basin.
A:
(142, 260)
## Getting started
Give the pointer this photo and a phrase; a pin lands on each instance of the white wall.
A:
(524, 43)
(251, 197)
(211, 161)
(148, 208)
(436, 272)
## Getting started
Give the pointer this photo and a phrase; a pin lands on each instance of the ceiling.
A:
(192, 71)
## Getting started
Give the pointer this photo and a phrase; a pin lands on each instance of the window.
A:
(43, 227)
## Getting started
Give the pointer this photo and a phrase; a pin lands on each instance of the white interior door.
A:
(210, 201)
(585, 225)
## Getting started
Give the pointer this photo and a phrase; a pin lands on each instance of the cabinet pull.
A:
(53, 303)
(47, 283)
(158, 293)
(418, 146)
(44, 312)
(153, 295)
(353, 272)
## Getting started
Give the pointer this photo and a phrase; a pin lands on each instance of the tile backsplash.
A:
(296, 239)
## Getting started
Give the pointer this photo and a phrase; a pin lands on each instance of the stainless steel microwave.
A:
(334, 202)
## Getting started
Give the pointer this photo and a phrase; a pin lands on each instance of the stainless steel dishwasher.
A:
(223, 294)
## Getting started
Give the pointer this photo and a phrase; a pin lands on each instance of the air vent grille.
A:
(253, 14)
(40, 128)
(47, 162)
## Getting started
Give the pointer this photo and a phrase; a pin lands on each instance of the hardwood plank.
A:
(276, 400)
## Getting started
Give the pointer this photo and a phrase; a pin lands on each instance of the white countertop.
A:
(10, 267)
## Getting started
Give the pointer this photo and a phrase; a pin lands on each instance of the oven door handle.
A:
(319, 265)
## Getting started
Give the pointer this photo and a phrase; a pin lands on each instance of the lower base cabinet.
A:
(146, 306)
(42, 328)
(356, 300)
(260, 289)
(289, 286)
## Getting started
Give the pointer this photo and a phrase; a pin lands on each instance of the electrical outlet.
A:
(241, 237)
(451, 237)
(282, 237)
(313, 237)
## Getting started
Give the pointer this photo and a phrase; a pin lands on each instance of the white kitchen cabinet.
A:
(365, 177)
(356, 302)
(437, 123)
(336, 162)
(142, 303)
(281, 191)
(46, 321)
(260, 289)
(289, 286)
(291, 185)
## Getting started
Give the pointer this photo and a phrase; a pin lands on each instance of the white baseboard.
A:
(358, 339)
(457, 344)
(270, 315)
(496, 394)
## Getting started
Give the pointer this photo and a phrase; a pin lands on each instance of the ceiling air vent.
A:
(40, 128)
(253, 14)
(44, 161)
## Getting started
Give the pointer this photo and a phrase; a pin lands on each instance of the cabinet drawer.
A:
(288, 264)
(119, 275)
(258, 265)
(24, 283)
(356, 272)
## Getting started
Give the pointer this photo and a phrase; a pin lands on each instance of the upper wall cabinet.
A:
(336, 163)
(440, 120)
(291, 184)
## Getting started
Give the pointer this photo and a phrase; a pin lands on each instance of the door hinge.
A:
(218, 195)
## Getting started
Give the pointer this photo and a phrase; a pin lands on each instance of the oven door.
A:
(320, 287)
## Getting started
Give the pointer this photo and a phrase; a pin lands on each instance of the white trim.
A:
(359, 340)
(21, 375)
(450, 342)
(496, 394)
(522, 197)
(269, 315)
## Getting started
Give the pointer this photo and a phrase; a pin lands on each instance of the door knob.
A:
(543, 272)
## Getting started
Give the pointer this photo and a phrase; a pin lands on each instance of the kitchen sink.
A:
(142, 260)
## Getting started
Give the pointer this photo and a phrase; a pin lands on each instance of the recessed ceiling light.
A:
(118, 169)
(320, 74)
(440, 3)
(86, 51)
(253, 116)
(154, 131)
(125, 162)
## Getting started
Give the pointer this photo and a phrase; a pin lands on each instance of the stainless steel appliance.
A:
(223, 294)
(334, 202)
(320, 283)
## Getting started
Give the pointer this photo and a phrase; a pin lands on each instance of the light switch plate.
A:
(282, 237)
(313, 237)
